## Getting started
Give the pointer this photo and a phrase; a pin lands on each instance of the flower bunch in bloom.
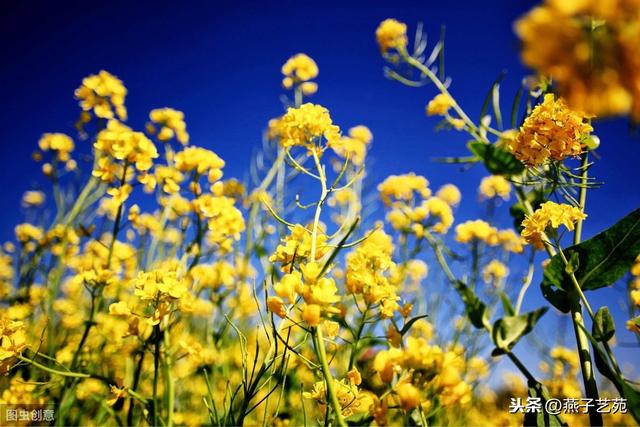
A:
(103, 94)
(589, 50)
(307, 126)
(495, 186)
(170, 123)
(549, 215)
(298, 71)
(480, 230)
(551, 132)
(355, 145)
(371, 273)
(391, 34)
(413, 208)
(13, 340)
(352, 400)
(200, 161)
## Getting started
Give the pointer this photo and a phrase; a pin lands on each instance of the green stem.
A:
(328, 377)
(53, 371)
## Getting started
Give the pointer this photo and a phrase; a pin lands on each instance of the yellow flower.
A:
(201, 161)
(121, 194)
(13, 340)
(495, 186)
(402, 188)
(104, 94)
(549, 214)
(408, 395)
(311, 314)
(171, 124)
(590, 51)
(276, 306)
(59, 143)
(33, 198)
(391, 34)
(355, 145)
(450, 194)
(494, 272)
(306, 126)
(289, 286)
(477, 230)
(551, 131)
(121, 143)
(439, 105)
(298, 69)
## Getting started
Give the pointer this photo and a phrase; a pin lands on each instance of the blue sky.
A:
(219, 62)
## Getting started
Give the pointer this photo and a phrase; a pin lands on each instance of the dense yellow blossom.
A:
(551, 132)
(13, 340)
(201, 161)
(58, 143)
(494, 272)
(549, 215)
(403, 187)
(298, 70)
(439, 105)
(391, 34)
(589, 50)
(477, 230)
(121, 143)
(355, 145)
(171, 123)
(450, 194)
(103, 94)
(306, 126)
(368, 272)
(495, 186)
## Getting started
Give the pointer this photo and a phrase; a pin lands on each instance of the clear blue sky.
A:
(219, 62)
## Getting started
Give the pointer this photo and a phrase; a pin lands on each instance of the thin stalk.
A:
(328, 377)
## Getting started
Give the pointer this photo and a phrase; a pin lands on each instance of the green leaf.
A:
(557, 297)
(541, 418)
(506, 304)
(496, 160)
(626, 390)
(476, 309)
(410, 322)
(507, 331)
(603, 327)
(491, 95)
(601, 260)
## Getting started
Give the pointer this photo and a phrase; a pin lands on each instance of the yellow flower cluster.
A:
(13, 341)
(298, 70)
(201, 161)
(450, 194)
(297, 246)
(104, 94)
(33, 199)
(549, 215)
(171, 123)
(225, 221)
(495, 186)
(430, 370)
(370, 272)
(391, 34)
(494, 272)
(413, 210)
(352, 400)
(439, 105)
(552, 131)
(306, 126)
(119, 142)
(59, 143)
(479, 230)
(402, 188)
(355, 145)
(633, 325)
(590, 50)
